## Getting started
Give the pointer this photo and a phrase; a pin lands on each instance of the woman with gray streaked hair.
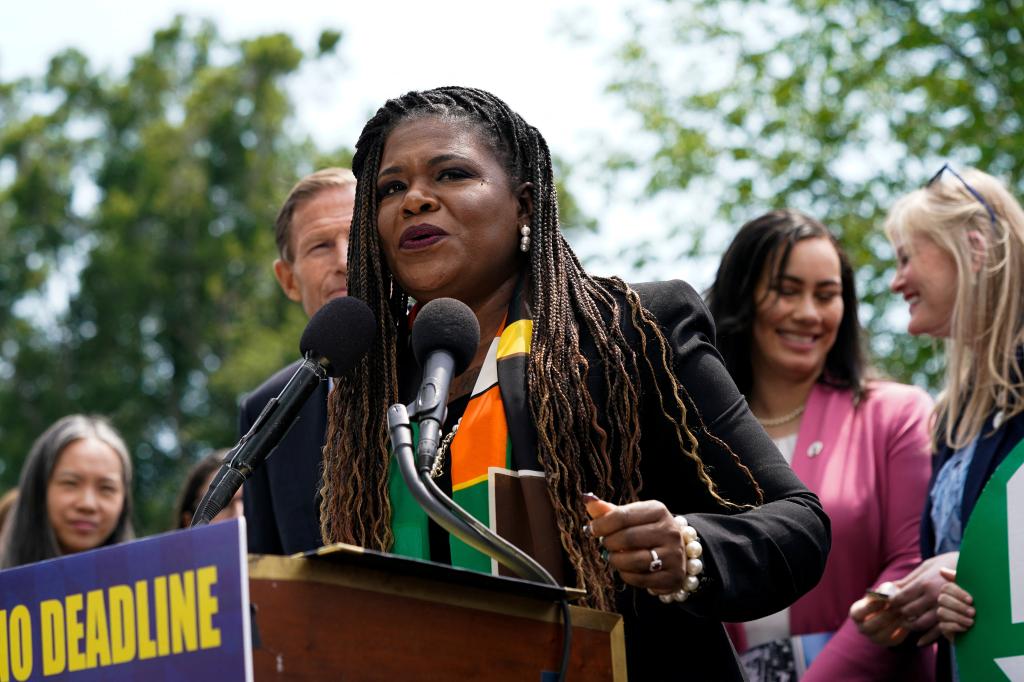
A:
(74, 494)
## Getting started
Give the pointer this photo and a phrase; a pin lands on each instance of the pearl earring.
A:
(524, 242)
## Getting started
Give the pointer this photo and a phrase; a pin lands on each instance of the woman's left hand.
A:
(956, 611)
(644, 543)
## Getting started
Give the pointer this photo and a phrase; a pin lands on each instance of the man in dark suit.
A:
(281, 498)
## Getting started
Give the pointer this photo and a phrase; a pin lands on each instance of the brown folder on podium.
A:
(346, 613)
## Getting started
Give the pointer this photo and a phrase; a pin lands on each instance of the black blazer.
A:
(282, 497)
(757, 562)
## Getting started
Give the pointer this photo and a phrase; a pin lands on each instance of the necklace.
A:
(436, 467)
(784, 419)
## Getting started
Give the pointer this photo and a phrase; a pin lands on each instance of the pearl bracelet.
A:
(694, 564)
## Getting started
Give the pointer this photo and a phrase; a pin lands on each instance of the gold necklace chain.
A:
(784, 419)
(435, 469)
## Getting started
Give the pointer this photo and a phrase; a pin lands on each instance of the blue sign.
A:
(171, 607)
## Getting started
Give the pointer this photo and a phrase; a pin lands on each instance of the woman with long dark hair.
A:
(74, 494)
(785, 305)
(580, 384)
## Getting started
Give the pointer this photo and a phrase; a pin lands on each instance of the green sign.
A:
(991, 568)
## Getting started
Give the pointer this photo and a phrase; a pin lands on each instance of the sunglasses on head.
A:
(974, 193)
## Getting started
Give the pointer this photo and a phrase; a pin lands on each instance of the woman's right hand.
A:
(643, 541)
(914, 606)
(918, 597)
(882, 625)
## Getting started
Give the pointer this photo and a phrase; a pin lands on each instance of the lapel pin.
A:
(815, 448)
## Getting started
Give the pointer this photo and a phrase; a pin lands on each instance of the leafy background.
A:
(146, 196)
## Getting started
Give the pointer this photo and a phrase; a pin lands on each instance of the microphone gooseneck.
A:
(448, 514)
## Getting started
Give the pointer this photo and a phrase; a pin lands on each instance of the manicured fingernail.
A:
(588, 531)
(605, 555)
(591, 497)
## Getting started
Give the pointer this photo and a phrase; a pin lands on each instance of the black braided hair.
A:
(574, 445)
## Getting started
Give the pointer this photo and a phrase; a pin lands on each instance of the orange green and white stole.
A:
(494, 470)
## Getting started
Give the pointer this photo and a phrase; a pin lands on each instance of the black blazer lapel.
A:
(521, 430)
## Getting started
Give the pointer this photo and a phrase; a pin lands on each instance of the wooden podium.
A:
(345, 613)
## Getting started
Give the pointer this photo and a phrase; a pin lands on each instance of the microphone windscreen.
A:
(446, 324)
(340, 333)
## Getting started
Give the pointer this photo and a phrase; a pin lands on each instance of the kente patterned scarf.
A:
(495, 473)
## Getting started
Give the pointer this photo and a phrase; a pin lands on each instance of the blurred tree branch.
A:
(833, 108)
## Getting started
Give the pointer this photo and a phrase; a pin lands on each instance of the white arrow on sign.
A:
(1012, 667)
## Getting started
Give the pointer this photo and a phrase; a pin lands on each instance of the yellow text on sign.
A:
(15, 644)
(169, 614)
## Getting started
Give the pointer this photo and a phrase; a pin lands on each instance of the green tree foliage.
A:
(150, 196)
(146, 201)
(835, 108)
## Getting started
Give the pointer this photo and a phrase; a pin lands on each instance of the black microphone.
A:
(337, 336)
(445, 336)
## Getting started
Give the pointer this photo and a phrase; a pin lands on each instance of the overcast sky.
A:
(525, 55)
(528, 53)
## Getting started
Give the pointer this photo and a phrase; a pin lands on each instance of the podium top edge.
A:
(344, 554)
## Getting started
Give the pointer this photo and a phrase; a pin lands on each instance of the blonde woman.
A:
(960, 248)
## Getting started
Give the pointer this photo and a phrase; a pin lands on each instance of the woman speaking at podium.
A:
(580, 385)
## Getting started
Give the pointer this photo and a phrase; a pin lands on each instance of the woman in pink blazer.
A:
(785, 306)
